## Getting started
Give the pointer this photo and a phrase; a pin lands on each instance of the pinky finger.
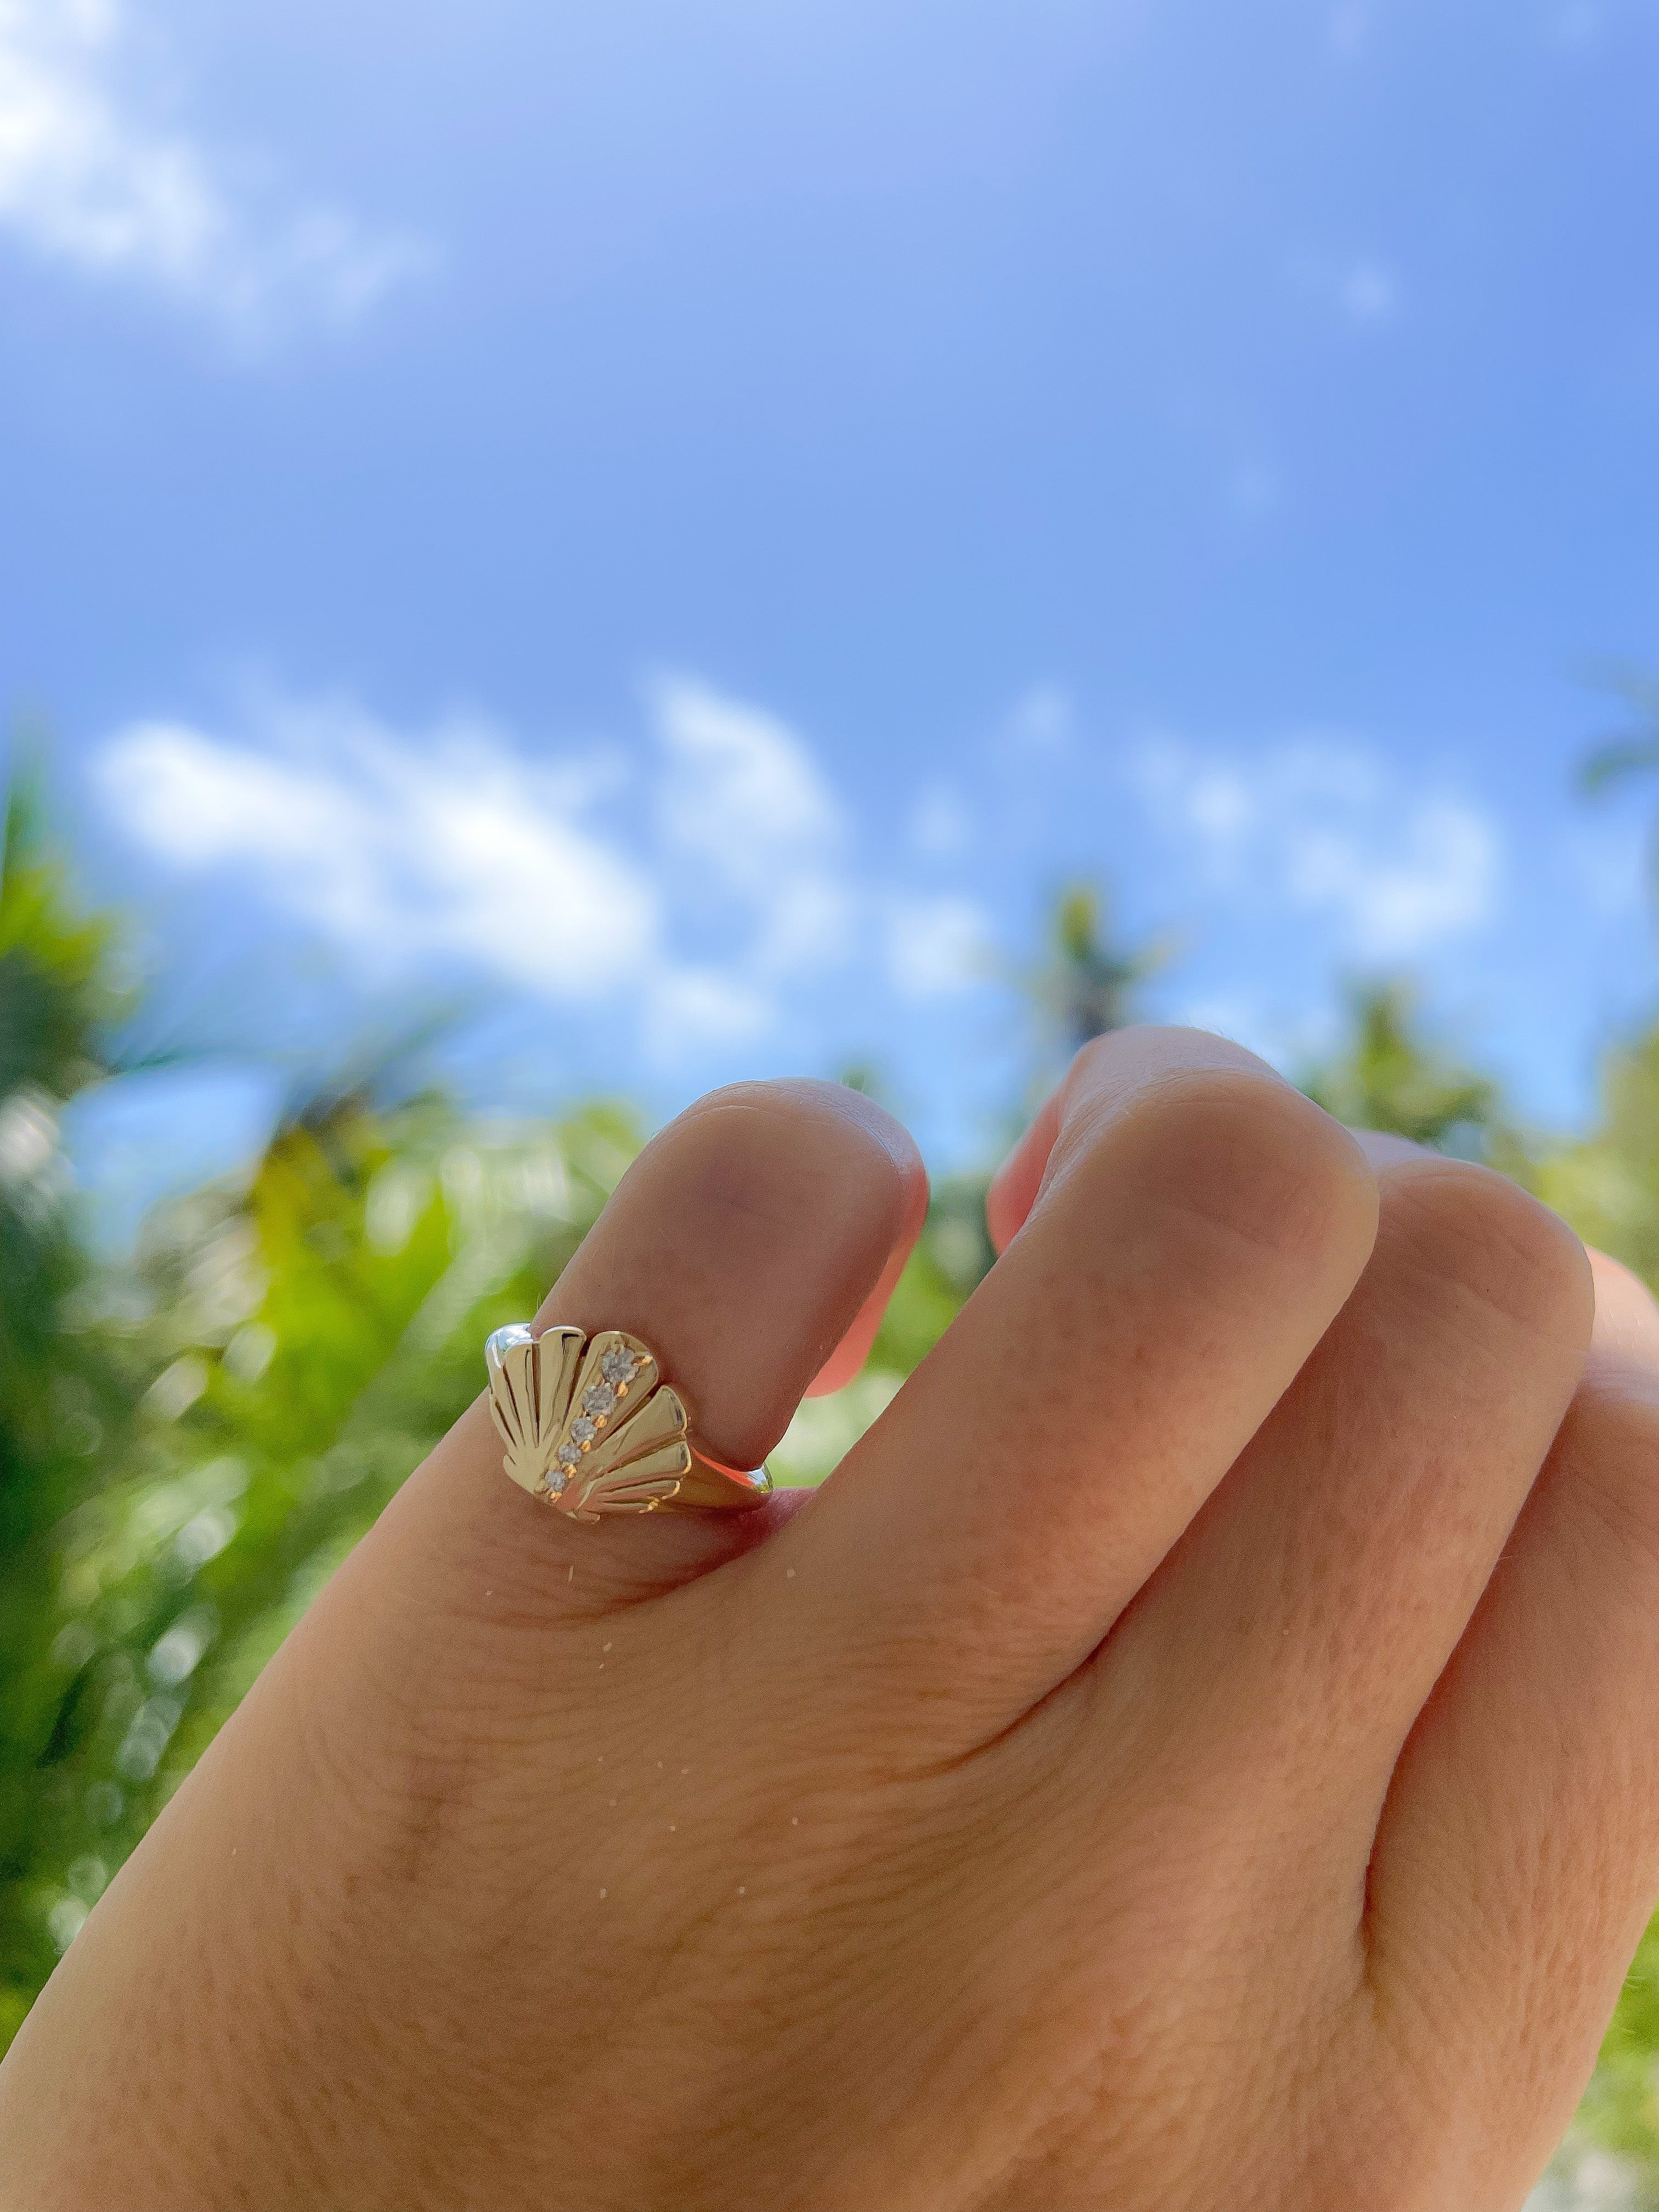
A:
(1518, 1855)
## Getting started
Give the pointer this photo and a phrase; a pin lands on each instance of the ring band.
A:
(726, 1489)
(592, 1429)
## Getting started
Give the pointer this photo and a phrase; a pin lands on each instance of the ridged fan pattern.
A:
(587, 1425)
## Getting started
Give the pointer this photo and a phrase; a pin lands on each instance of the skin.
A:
(1201, 1749)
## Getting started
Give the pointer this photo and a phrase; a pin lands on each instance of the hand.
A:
(1200, 1750)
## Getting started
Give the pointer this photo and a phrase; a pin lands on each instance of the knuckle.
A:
(1621, 1286)
(1610, 1443)
(1246, 1152)
(1472, 1232)
(1626, 1318)
(1617, 1410)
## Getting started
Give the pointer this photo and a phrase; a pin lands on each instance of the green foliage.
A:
(304, 1339)
(1631, 752)
(1621, 2112)
(952, 1255)
(55, 992)
(1388, 1077)
(190, 1442)
(1087, 985)
(60, 1403)
(1607, 1183)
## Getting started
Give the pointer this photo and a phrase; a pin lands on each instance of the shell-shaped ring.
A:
(592, 1429)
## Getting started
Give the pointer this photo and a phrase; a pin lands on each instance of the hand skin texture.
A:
(1198, 1753)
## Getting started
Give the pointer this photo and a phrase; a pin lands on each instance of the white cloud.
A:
(1439, 880)
(1243, 1017)
(713, 898)
(1350, 27)
(712, 872)
(1221, 807)
(941, 825)
(398, 850)
(936, 946)
(1608, 865)
(1323, 826)
(690, 1008)
(743, 789)
(743, 800)
(86, 183)
(1576, 25)
(1209, 806)
(1043, 720)
(1370, 294)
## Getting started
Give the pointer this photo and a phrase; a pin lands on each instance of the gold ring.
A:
(592, 1429)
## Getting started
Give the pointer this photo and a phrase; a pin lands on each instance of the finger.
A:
(1299, 1628)
(1200, 1224)
(1518, 1854)
(1015, 1185)
(742, 1246)
(848, 1358)
(749, 1243)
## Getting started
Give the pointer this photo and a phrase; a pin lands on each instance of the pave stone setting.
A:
(581, 1420)
(617, 1369)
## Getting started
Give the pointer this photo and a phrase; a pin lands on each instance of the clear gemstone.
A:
(600, 1399)
(557, 1481)
(567, 1455)
(619, 1365)
(582, 1430)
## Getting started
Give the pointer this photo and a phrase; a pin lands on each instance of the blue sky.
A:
(665, 532)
